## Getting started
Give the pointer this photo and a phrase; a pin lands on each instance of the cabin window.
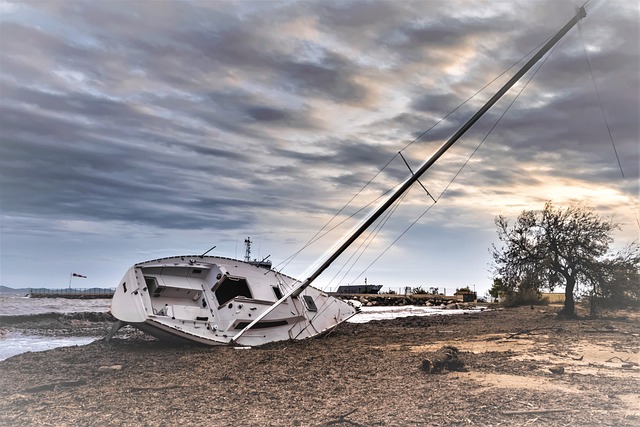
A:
(232, 287)
(311, 305)
(152, 284)
(277, 292)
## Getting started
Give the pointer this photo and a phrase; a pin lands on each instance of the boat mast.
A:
(412, 179)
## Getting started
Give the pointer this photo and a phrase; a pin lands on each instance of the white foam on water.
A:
(13, 344)
(368, 314)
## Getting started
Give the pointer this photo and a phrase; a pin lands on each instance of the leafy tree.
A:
(523, 293)
(419, 290)
(617, 280)
(553, 247)
(497, 288)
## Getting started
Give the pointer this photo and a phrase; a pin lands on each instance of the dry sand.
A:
(521, 367)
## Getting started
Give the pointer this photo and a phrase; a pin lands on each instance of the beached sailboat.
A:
(217, 301)
(209, 299)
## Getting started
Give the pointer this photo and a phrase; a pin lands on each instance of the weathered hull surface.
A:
(209, 300)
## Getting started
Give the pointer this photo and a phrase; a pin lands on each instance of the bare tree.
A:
(551, 248)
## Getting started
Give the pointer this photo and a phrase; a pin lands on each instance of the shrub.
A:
(525, 297)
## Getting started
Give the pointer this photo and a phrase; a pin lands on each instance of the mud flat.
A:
(518, 367)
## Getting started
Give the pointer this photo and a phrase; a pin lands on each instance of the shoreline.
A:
(93, 323)
(45, 331)
(519, 365)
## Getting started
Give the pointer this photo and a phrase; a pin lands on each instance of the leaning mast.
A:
(412, 179)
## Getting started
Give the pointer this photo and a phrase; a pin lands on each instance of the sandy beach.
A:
(521, 366)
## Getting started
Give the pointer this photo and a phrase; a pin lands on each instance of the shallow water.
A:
(16, 304)
(15, 343)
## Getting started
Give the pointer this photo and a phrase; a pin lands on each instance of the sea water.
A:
(20, 305)
(13, 343)
(16, 343)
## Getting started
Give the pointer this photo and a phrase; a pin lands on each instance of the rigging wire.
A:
(367, 241)
(595, 88)
(461, 168)
(319, 234)
(604, 115)
(474, 95)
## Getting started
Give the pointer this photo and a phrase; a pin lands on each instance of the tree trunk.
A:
(569, 304)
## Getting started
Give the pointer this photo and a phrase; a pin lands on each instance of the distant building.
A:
(465, 296)
(554, 297)
(359, 289)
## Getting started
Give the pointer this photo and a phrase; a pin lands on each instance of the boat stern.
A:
(127, 303)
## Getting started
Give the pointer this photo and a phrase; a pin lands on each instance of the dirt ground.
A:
(521, 366)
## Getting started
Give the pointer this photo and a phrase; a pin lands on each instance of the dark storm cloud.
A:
(331, 78)
(265, 114)
(73, 104)
(338, 153)
(100, 180)
(247, 48)
(436, 103)
(73, 153)
(449, 32)
(356, 15)
(92, 168)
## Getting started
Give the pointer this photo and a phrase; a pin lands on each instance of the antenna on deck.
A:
(202, 256)
(247, 251)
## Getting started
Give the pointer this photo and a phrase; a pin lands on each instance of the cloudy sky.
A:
(133, 130)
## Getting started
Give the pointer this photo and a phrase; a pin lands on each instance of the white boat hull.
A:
(209, 300)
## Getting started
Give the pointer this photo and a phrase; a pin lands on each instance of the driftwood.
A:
(166, 387)
(620, 359)
(343, 419)
(568, 356)
(537, 411)
(528, 331)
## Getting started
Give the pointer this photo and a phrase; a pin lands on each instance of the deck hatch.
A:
(232, 287)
